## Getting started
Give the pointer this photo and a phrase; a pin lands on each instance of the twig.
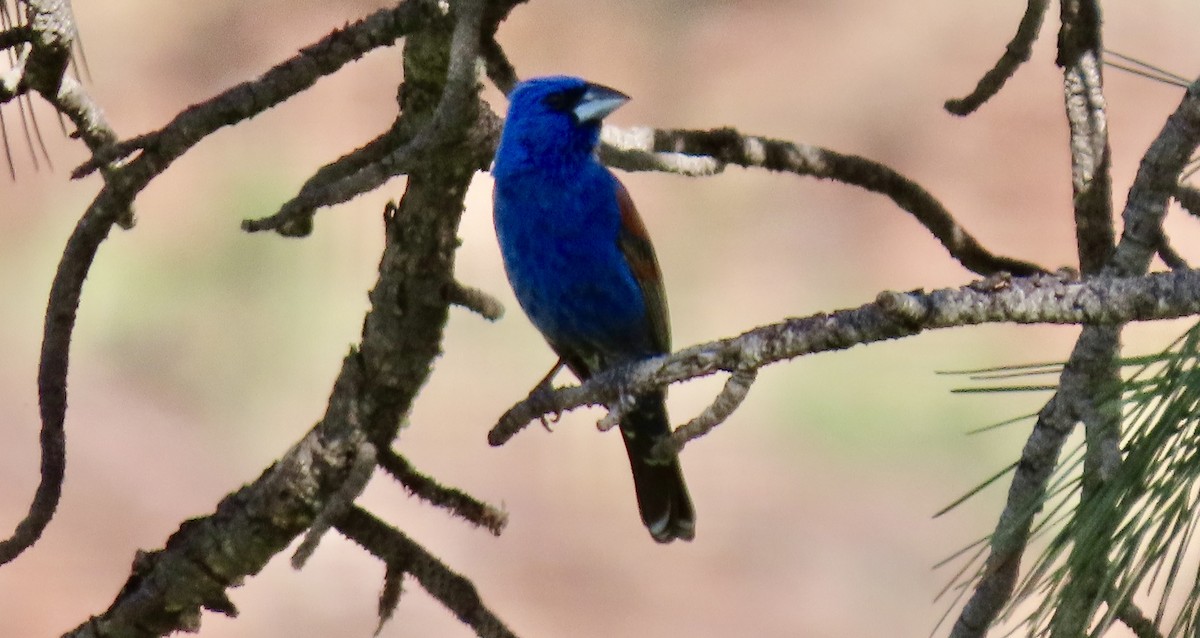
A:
(1016, 53)
(455, 500)
(1188, 198)
(1170, 256)
(475, 300)
(455, 109)
(1132, 617)
(396, 549)
(93, 227)
(402, 335)
(1079, 54)
(328, 175)
(737, 386)
(499, 70)
(357, 477)
(287, 79)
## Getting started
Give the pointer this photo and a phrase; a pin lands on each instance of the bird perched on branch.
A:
(583, 269)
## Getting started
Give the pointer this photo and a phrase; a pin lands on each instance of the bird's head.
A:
(553, 119)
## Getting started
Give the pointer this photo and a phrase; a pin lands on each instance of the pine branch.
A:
(1042, 299)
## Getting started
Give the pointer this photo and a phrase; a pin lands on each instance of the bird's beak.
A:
(597, 102)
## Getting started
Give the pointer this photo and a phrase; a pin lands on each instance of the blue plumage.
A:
(582, 267)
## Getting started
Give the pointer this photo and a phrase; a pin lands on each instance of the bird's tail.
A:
(662, 495)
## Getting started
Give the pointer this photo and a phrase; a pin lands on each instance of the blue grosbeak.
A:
(582, 267)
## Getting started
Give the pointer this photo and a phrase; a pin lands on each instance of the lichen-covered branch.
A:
(1079, 54)
(1039, 299)
(1094, 388)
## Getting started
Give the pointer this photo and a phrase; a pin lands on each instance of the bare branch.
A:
(338, 504)
(1170, 256)
(1155, 184)
(729, 146)
(19, 34)
(456, 501)
(633, 150)
(475, 300)
(1038, 460)
(374, 391)
(1039, 299)
(455, 109)
(730, 398)
(1132, 617)
(499, 70)
(169, 587)
(1016, 53)
(53, 27)
(289, 78)
(1189, 198)
(401, 554)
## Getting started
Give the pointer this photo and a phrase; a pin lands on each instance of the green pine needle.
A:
(1133, 534)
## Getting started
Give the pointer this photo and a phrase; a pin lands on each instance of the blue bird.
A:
(583, 269)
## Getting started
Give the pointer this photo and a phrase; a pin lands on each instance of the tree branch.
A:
(402, 555)
(1095, 396)
(383, 28)
(1080, 53)
(53, 29)
(455, 107)
(1145, 208)
(1016, 53)
(728, 146)
(375, 388)
(1039, 299)
(454, 500)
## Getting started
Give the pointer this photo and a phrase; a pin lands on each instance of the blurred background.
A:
(202, 353)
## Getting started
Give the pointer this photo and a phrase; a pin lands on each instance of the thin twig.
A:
(453, 499)
(1132, 617)
(281, 82)
(454, 591)
(737, 386)
(475, 300)
(1016, 53)
(67, 96)
(357, 477)
(1188, 198)
(452, 115)
(1170, 256)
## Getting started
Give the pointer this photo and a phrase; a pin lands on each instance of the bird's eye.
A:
(565, 100)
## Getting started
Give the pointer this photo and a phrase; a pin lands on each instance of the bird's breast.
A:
(562, 258)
